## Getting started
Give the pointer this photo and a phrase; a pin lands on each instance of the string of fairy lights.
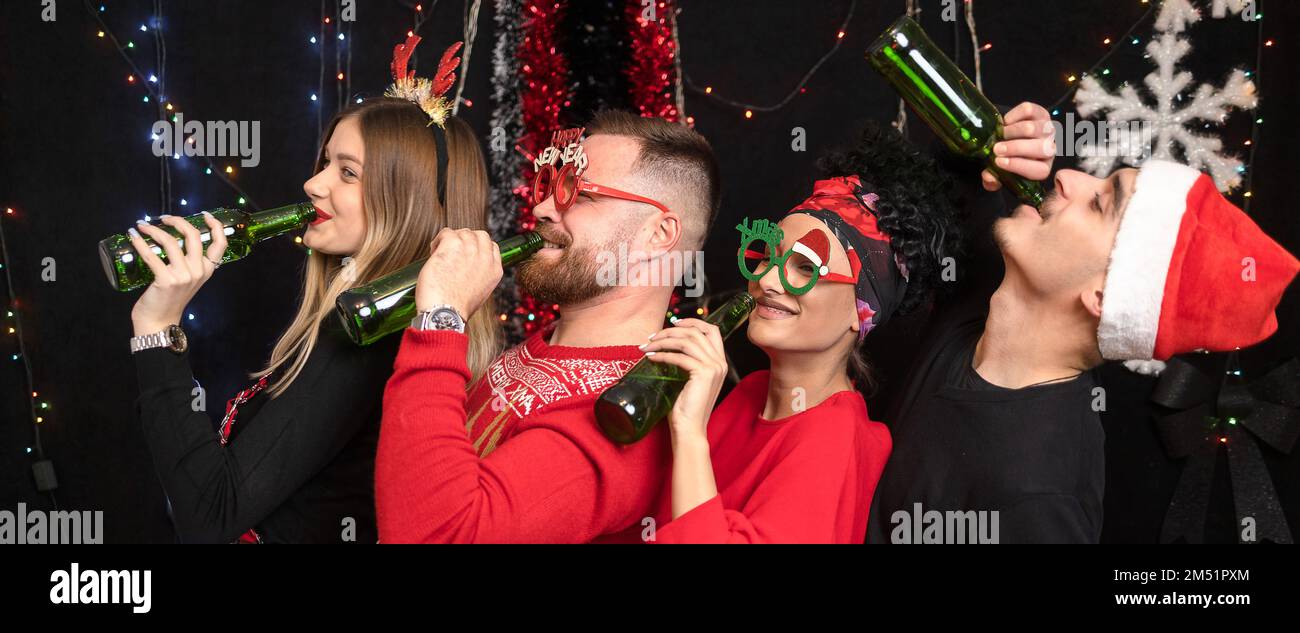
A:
(153, 84)
(1258, 121)
(37, 407)
(800, 87)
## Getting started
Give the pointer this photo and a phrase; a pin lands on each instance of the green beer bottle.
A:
(945, 99)
(387, 304)
(628, 410)
(126, 272)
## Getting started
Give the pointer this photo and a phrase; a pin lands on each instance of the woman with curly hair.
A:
(791, 455)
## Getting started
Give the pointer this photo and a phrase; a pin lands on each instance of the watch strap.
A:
(150, 341)
(172, 339)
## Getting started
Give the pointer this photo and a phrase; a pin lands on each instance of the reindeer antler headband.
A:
(428, 94)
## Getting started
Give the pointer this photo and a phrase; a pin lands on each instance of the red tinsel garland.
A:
(652, 70)
(545, 73)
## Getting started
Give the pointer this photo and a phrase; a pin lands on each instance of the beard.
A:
(1000, 234)
(573, 278)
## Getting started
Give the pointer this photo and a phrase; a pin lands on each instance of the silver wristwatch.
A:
(172, 338)
(442, 317)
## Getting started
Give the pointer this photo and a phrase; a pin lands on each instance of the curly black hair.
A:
(917, 208)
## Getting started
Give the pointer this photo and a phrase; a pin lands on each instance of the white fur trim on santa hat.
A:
(1145, 367)
(1139, 261)
(807, 251)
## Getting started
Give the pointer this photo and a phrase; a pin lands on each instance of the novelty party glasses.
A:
(559, 173)
(799, 268)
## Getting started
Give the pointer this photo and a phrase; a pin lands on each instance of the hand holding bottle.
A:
(648, 392)
(1028, 145)
(463, 269)
(949, 102)
(695, 346)
(178, 279)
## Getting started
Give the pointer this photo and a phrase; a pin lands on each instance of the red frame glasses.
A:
(570, 183)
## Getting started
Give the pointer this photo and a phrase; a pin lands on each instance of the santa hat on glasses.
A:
(1189, 271)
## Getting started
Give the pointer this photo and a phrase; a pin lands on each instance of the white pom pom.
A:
(1145, 367)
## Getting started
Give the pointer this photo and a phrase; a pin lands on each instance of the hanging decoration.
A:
(1215, 408)
(1164, 121)
(652, 69)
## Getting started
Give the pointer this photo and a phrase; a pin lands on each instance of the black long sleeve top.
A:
(1033, 455)
(299, 467)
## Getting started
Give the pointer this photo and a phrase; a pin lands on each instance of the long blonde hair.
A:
(399, 191)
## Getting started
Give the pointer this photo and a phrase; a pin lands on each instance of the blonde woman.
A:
(294, 457)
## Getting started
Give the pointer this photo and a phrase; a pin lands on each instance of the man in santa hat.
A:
(996, 432)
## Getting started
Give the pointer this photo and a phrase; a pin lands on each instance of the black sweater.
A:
(297, 467)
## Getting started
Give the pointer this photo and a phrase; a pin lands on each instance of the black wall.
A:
(76, 163)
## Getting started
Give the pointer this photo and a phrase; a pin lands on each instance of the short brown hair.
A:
(674, 158)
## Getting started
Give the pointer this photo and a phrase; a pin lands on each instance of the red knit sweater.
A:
(520, 459)
(806, 478)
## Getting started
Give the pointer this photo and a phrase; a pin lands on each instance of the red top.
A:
(806, 478)
(520, 459)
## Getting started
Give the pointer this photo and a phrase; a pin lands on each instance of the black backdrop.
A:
(77, 165)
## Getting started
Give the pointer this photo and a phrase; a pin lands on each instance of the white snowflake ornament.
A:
(1223, 7)
(1169, 120)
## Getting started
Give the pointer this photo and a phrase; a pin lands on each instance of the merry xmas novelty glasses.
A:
(559, 172)
(799, 268)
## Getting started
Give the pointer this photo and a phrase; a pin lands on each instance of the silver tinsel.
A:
(505, 165)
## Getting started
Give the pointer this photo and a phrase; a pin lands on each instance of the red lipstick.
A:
(321, 216)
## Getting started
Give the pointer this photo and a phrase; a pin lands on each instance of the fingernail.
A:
(164, 216)
(642, 346)
(133, 233)
(649, 353)
(652, 336)
(207, 214)
(1004, 161)
(999, 148)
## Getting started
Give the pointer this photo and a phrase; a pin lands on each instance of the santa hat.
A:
(1189, 271)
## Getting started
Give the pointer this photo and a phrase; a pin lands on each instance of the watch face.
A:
(178, 342)
(446, 319)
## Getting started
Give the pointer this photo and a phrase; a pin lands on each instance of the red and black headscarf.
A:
(849, 212)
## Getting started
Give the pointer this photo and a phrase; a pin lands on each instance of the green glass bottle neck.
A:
(517, 248)
(272, 222)
(732, 314)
